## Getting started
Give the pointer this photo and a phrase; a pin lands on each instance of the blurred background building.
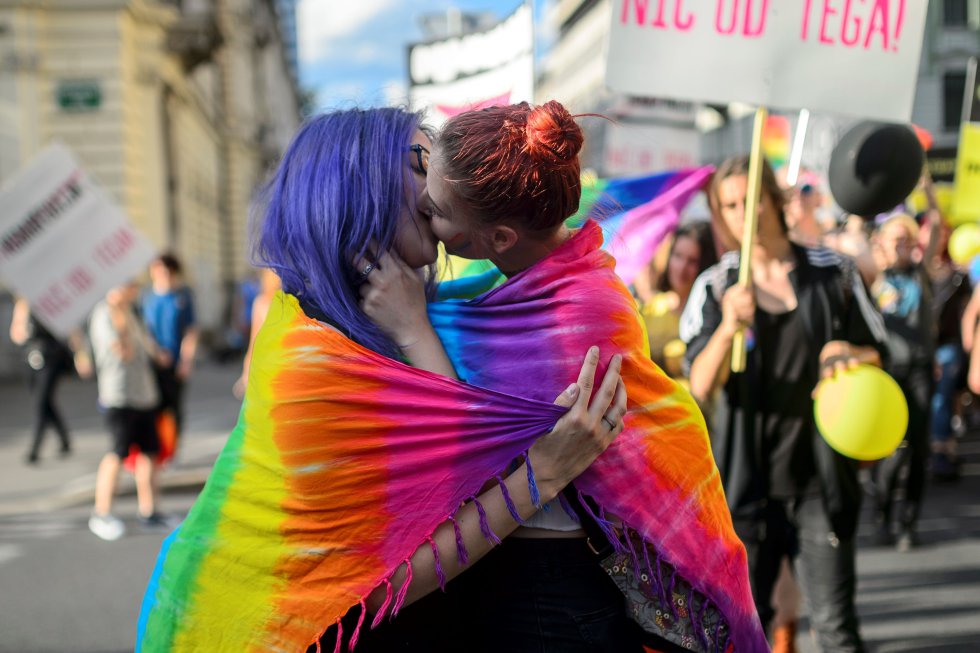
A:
(177, 109)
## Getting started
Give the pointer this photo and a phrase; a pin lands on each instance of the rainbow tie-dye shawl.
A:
(344, 462)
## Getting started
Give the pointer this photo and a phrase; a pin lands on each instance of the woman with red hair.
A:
(501, 183)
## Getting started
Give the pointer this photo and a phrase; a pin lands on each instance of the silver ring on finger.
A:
(368, 269)
(611, 424)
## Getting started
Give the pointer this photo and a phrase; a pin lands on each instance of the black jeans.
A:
(44, 385)
(525, 596)
(825, 566)
(912, 454)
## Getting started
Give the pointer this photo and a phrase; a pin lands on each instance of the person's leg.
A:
(886, 475)
(178, 404)
(949, 361)
(828, 578)
(766, 545)
(42, 382)
(918, 389)
(146, 498)
(786, 598)
(142, 434)
(105, 483)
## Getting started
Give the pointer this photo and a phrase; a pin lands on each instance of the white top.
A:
(122, 383)
(553, 519)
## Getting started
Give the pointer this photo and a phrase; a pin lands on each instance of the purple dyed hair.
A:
(339, 186)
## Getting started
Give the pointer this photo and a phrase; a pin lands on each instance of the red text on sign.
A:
(111, 250)
(863, 24)
(662, 14)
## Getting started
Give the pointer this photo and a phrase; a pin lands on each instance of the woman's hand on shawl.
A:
(393, 297)
(559, 457)
(584, 432)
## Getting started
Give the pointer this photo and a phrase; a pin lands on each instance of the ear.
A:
(502, 238)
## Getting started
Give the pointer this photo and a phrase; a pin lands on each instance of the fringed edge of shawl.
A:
(397, 601)
(723, 631)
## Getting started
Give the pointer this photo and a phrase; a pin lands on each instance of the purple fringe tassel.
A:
(510, 503)
(702, 635)
(606, 527)
(567, 507)
(660, 582)
(484, 524)
(531, 483)
(633, 555)
(646, 561)
(718, 646)
(670, 595)
(464, 558)
(440, 574)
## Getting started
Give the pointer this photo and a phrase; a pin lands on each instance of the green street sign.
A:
(79, 95)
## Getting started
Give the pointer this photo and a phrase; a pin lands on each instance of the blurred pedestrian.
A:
(807, 315)
(904, 295)
(128, 393)
(168, 312)
(951, 294)
(805, 215)
(692, 251)
(49, 358)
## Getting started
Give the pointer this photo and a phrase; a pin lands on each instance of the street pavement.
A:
(63, 589)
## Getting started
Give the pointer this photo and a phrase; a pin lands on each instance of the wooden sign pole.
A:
(751, 220)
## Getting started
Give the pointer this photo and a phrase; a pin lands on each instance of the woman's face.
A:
(451, 223)
(683, 264)
(414, 240)
(731, 204)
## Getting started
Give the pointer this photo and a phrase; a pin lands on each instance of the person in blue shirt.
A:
(168, 312)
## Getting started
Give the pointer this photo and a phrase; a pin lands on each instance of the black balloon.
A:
(874, 167)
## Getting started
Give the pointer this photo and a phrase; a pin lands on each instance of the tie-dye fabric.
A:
(344, 462)
(658, 478)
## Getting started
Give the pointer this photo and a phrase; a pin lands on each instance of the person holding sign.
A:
(807, 314)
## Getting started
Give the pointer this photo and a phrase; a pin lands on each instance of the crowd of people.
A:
(140, 345)
(825, 295)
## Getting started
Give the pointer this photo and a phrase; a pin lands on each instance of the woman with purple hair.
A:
(351, 188)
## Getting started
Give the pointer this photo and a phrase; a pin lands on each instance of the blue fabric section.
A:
(168, 317)
(151, 589)
(621, 195)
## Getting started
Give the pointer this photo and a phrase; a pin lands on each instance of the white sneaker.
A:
(107, 527)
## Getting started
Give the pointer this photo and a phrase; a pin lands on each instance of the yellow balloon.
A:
(964, 243)
(862, 413)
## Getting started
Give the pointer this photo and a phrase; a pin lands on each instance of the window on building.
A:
(954, 85)
(955, 13)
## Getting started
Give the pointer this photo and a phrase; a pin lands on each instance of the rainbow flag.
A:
(344, 462)
(636, 215)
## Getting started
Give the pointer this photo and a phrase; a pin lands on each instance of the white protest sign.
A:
(63, 242)
(857, 57)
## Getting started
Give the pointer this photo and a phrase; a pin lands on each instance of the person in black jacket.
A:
(807, 315)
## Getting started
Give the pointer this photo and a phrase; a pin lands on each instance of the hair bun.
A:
(552, 134)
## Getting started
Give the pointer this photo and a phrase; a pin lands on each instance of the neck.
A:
(682, 298)
(771, 244)
(529, 250)
(162, 288)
